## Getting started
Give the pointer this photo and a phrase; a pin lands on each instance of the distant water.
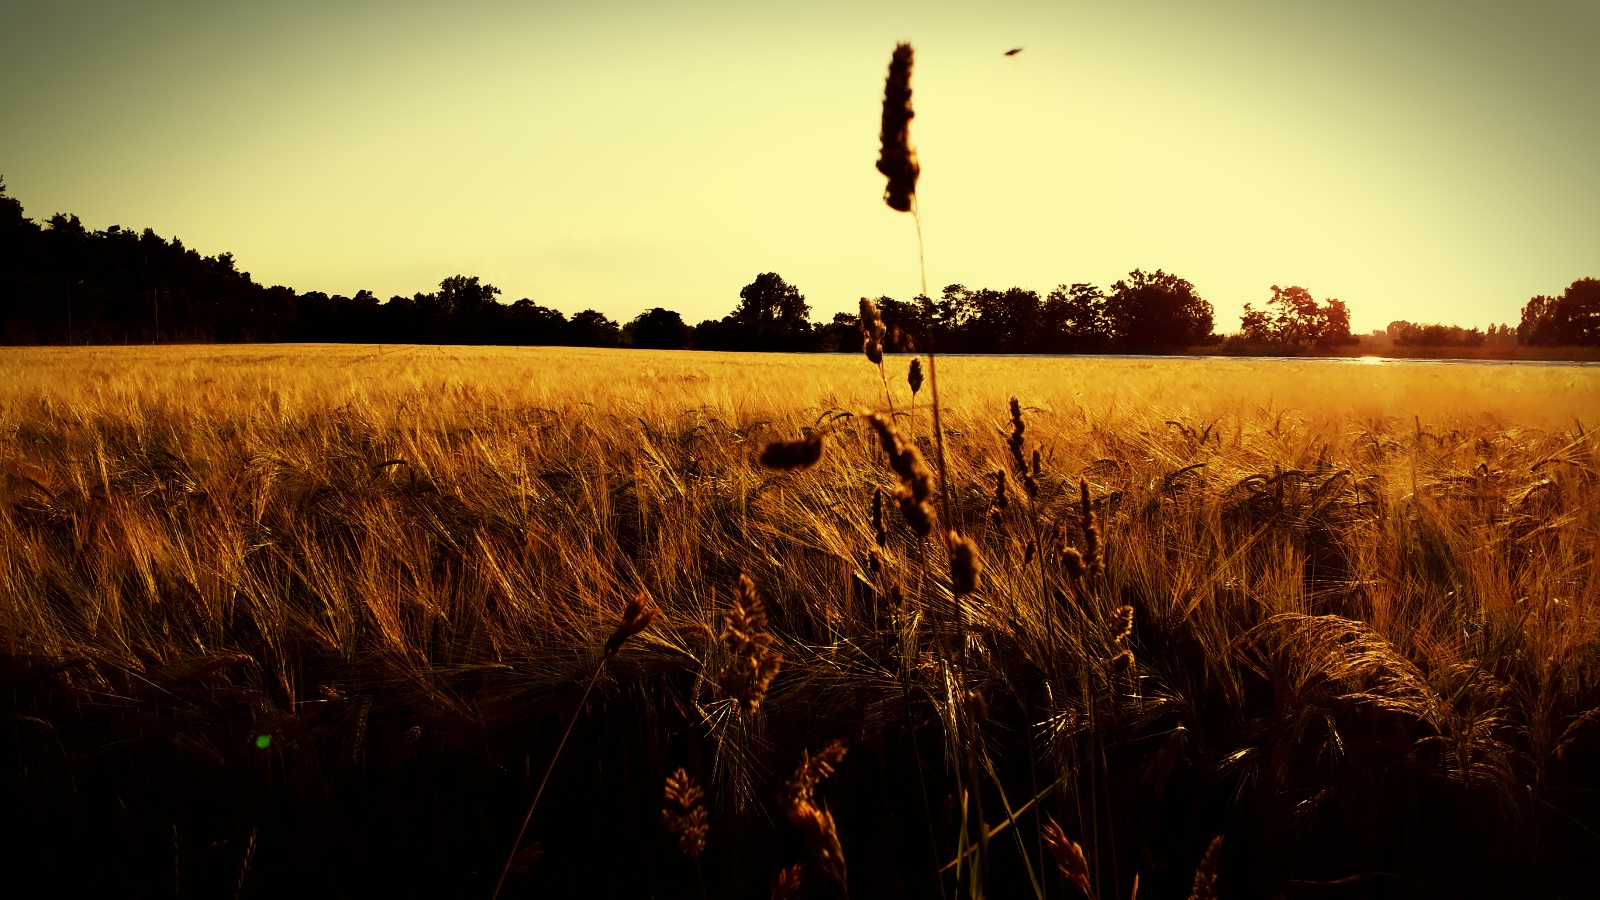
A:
(1345, 360)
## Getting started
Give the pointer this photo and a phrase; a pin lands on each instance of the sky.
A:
(1428, 161)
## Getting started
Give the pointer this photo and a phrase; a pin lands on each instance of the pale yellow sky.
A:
(1427, 161)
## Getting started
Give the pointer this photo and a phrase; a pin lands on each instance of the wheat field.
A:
(315, 618)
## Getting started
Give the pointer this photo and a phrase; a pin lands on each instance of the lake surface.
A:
(1336, 360)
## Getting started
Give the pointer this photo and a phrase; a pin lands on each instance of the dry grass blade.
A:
(880, 535)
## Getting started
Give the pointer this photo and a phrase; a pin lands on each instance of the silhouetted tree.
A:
(1157, 313)
(1074, 320)
(10, 208)
(1003, 321)
(527, 323)
(951, 317)
(1570, 319)
(593, 329)
(771, 315)
(61, 281)
(902, 324)
(1294, 318)
(1407, 334)
(774, 312)
(658, 329)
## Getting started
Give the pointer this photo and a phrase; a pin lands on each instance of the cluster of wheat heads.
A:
(337, 612)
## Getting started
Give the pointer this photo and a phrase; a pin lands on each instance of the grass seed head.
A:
(1014, 439)
(919, 514)
(1093, 552)
(1122, 625)
(683, 813)
(789, 881)
(916, 479)
(753, 664)
(1072, 561)
(898, 160)
(814, 821)
(1067, 854)
(914, 375)
(636, 617)
(790, 456)
(871, 332)
(1205, 877)
(966, 571)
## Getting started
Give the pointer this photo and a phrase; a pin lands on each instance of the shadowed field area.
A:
(315, 618)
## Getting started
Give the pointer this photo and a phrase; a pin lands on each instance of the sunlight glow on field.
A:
(280, 379)
(326, 569)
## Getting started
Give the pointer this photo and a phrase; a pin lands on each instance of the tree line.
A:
(63, 283)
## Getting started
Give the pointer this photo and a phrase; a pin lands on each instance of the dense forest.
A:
(61, 283)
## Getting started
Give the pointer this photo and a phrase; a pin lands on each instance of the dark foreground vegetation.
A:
(316, 625)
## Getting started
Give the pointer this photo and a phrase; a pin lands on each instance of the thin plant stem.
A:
(545, 779)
